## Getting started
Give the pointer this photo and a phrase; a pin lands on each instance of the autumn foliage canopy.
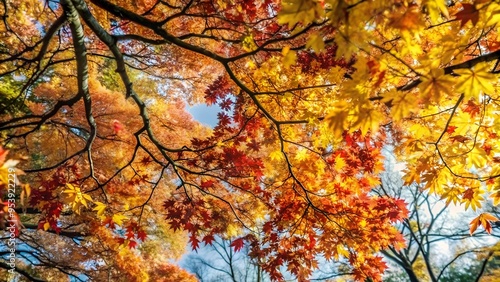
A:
(308, 94)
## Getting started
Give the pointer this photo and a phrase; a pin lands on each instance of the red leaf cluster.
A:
(311, 62)
(217, 90)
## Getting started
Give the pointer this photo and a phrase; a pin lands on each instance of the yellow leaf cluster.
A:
(76, 198)
(435, 84)
(316, 43)
(299, 11)
(401, 103)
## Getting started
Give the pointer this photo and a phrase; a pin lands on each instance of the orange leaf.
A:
(483, 219)
(472, 108)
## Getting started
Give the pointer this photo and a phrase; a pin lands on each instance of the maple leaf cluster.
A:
(93, 94)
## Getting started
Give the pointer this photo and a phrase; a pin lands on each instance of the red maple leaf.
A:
(224, 119)
(132, 226)
(459, 138)
(468, 194)
(108, 221)
(217, 90)
(451, 129)
(132, 244)
(268, 227)
(142, 235)
(226, 104)
(206, 216)
(3, 155)
(129, 235)
(195, 243)
(487, 148)
(40, 224)
(175, 224)
(250, 9)
(493, 45)
(401, 206)
(254, 145)
(472, 108)
(373, 66)
(146, 160)
(207, 184)
(238, 244)
(468, 13)
(208, 239)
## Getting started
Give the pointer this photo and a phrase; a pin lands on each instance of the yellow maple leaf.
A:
(76, 198)
(336, 11)
(473, 198)
(409, 23)
(339, 163)
(119, 218)
(345, 47)
(100, 207)
(290, 58)
(341, 252)
(276, 155)
(437, 180)
(285, 50)
(478, 79)
(299, 11)
(7, 167)
(401, 103)
(368, 119)
(301, 155)
(435, 9)
(477, 158)
(248, 43)
(410, 176)
(492, 13)
(452, 195)
(337, 119)
(232, 231)
(420, 131)
(496, 198)
(435, 83)
(316, 43)
(407, 20)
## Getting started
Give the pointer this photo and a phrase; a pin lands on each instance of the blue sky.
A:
(204, 114)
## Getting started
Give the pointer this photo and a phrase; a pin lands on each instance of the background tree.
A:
(219, 262)
(310, 92)
(439, 246)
